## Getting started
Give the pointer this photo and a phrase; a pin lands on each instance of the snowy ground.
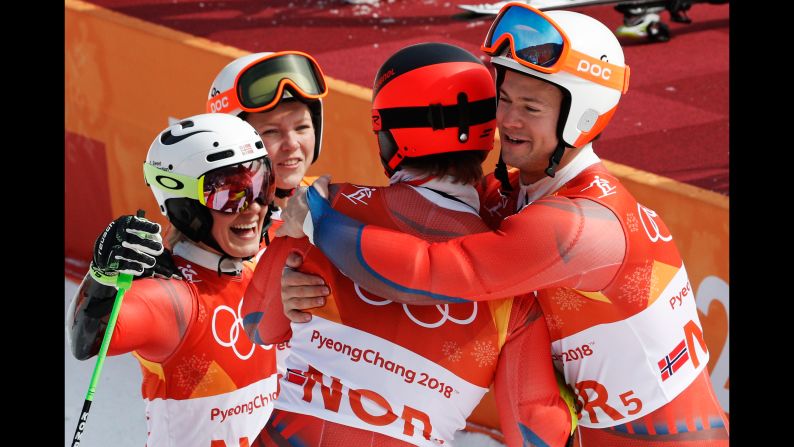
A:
(116, 418)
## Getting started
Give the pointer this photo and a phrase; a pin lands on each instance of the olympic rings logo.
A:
(235, 330)
(442, 308)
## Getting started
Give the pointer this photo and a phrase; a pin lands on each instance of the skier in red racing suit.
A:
(204, 382)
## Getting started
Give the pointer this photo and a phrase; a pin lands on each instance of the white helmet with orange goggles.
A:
(209, 161)
(259, 82)
(568, 49)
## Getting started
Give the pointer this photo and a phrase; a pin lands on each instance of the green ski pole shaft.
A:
(123, 283)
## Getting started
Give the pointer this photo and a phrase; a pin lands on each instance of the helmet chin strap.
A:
(501, 174)
(266, 225)
(501, 169)
(555, 158)
(210, 240)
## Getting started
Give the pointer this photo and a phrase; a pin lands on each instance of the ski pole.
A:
(123, 283)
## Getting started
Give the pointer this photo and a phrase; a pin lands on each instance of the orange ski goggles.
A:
(538, 43)
(260, 85)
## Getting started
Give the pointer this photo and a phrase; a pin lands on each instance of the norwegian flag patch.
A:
(674, 360)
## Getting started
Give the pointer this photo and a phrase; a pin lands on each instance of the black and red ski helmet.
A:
(432, 98)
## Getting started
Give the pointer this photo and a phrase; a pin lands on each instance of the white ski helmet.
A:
(208, 161)
(258, 82)
(591, 73)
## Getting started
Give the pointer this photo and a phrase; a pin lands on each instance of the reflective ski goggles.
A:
(538, 43)
(229, 189)
(260, 85)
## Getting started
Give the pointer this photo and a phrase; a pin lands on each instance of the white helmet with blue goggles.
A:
(573, 51)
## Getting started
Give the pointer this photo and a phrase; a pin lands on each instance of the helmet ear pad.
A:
(388, 147)
(191, 218)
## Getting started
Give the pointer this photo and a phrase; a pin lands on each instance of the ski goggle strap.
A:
(538, 43)
(461, 115)
(229, 189)
(260, 85)
(435, 116)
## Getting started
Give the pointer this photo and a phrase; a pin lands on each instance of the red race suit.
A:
(204, 382)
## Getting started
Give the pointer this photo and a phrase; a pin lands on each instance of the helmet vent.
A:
(220, 155)
(259, 145)
(215, 144)
(185, 124)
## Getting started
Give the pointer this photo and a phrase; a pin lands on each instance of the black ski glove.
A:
(128, 245)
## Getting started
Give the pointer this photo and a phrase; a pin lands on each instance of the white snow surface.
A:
(117, 412)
